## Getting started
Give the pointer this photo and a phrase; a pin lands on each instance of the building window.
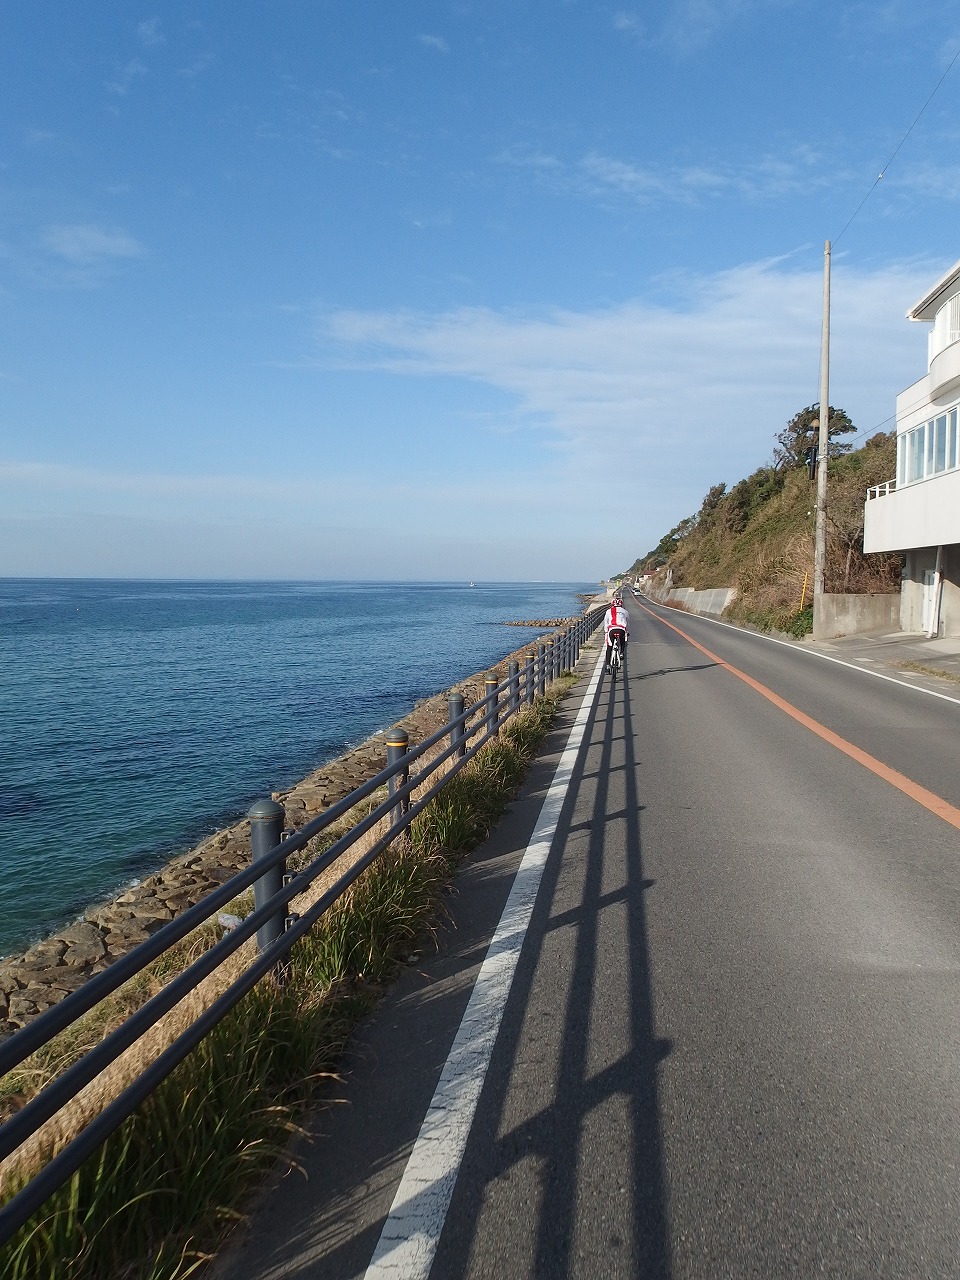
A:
(940, 445)
(915, 455)
(929, 449)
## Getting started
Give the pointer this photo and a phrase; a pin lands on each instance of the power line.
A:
(879, 177)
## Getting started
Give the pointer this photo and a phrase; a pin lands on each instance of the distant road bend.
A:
(731, 1044)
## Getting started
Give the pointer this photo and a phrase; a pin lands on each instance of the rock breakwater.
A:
(542, 623)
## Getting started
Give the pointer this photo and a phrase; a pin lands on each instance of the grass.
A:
(929, 671)
(157, 1198)
(796, 622)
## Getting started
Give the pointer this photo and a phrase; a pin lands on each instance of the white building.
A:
(919, 511)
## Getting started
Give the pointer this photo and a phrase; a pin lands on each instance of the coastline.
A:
(44, 974)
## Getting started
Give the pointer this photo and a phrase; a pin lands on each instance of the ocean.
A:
(138, 717)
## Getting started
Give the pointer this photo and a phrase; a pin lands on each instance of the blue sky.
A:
(450, 290)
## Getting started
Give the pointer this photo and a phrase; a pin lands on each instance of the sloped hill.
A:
(758, 536)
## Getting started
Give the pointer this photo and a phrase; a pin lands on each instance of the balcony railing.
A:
(881, 490)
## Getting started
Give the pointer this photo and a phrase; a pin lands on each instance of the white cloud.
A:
(676, 395)
(684, 27)
(61, 486)
(197, 66)
(90, 245)
(150, 34)
(522, 156)
(435, 42)
(39, 137)
(623, 21)
(603, 178)
(126, 77)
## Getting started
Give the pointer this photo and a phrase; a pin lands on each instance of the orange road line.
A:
(936, 804)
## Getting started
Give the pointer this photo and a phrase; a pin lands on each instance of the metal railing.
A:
(277, 930)
(881, 490)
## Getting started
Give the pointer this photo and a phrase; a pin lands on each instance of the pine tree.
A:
(801, 434)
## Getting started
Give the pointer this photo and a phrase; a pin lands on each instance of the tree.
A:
(802, 434)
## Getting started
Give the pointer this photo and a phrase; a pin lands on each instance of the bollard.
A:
(397, 742)
(458, 731)
(514, 687)
(493, 709)
(528, 680)
(541, 669)
(266, 823)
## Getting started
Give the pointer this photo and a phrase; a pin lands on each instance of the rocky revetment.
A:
(43, 975)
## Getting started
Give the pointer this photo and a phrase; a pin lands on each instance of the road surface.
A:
(731, 1045)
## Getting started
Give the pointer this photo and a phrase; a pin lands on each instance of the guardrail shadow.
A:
(547, 1159)
(669, 671)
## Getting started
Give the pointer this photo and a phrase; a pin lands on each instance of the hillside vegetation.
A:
(758, 536)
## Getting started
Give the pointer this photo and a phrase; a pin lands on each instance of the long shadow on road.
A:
(555, 1145)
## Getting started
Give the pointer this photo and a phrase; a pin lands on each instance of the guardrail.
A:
(277, 930)
(881, 490)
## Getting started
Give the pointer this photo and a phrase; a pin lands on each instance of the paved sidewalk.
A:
(900, 653)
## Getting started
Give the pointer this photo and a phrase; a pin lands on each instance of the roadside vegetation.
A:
(157, 1198)
(758, 536)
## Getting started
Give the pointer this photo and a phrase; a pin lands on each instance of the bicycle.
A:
(616, 657)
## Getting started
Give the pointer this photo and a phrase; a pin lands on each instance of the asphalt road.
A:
(731, 1044)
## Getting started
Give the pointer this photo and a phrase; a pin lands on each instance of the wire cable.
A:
(879, 177)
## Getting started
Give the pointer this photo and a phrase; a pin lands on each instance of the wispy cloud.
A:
(126, 77)
(606, 178)
(522, 156)
(150, 34)
(89, 245)
(684, 27)
(434, 42)
(197, 66)
(629, 22)
(216, 493)
(39, 137)
(708, 378)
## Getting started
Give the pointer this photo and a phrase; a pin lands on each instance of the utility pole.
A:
(820, 545)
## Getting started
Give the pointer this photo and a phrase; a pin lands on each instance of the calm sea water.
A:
(137, 717)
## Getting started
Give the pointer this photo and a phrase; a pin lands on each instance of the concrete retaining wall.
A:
(841, 615)
(711, 603)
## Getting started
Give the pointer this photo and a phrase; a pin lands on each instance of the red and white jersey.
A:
(616, 616)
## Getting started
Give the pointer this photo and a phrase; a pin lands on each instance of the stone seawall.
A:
(42, 976)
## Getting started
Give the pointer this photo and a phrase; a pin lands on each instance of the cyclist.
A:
(616, 626)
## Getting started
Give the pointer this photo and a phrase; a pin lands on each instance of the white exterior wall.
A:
(922, 514)
(925, 514)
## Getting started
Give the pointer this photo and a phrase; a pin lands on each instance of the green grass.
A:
(159, 1195)
(797, 622)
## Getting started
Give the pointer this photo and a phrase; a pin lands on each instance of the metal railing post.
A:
(514, 687)
(493, 708)
(266, 824)
(541, 669)
(397, 742)
(528, 680)
(458, 730)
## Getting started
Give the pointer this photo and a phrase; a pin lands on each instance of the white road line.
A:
(827, 657)
(411, 1232)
